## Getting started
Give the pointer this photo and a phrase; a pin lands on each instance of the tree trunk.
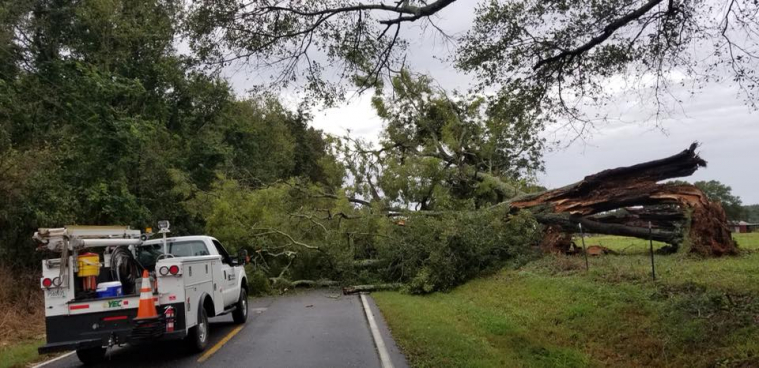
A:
(624, 200)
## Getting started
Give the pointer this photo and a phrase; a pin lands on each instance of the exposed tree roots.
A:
(624, 200)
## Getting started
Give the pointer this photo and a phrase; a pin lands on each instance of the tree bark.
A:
(366, 288)
(624, 200)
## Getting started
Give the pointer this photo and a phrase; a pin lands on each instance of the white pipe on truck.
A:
(109, 242)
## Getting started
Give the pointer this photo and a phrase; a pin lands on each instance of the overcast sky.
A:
(718, 118)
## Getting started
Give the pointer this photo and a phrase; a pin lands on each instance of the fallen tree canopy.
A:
(622, 201)
(296, 231)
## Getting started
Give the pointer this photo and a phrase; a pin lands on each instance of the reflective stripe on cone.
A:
(147, 303)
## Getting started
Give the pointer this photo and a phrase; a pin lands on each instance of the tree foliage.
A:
(752, 213)
(559, 56)
(294, 232)
(722, 193)
(717, 191)
(445, 152)
(103, 122)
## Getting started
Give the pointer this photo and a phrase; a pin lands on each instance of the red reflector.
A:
(47, 283)
(115, 318)
(174, 269)
(80, 306)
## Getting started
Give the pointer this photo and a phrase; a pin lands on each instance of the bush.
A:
(258, 283)
(438, 253)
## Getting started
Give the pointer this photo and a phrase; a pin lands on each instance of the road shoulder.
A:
(396, 355)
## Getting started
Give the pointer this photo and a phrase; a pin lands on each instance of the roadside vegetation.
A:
(554, 313)
(20, 354)
(22, 324)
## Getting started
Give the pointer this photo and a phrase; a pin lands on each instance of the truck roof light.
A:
(174, 269)
(163, 226)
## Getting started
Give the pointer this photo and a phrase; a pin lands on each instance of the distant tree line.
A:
(752, 213)
(731, 203)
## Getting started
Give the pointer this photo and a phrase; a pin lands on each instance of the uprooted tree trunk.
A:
(624, 200)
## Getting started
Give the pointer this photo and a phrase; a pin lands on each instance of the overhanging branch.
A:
(608, 31)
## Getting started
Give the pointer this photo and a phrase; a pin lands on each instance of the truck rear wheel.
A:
(89, 356)
(198, 336)
(240, 314)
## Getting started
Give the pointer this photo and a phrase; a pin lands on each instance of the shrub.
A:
(258, 283)
(438, 253)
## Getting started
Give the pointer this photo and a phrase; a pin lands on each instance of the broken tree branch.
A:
(621, 201)
(365, 288)
(288, 236)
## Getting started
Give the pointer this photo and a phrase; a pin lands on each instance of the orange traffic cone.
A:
(147, 305)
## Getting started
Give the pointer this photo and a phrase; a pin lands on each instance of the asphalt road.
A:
(314, 328)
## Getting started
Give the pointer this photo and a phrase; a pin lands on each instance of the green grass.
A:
(625, 245)
(620, 244)
(749, 241)
(553, 313)
(20, 354)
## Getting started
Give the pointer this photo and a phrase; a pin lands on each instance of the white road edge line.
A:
(54, 359)
(378, 342)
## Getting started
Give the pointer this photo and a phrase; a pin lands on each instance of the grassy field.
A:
(554, 313)
(625, 245)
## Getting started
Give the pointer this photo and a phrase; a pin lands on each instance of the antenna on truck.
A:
(163, 228)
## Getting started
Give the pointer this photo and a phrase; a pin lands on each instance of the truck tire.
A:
(90, 356)
(198, 336)
(240, 314)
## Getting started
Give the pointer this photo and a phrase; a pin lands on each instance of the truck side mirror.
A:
(243, 257)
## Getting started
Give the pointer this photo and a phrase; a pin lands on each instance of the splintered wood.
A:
(624, 200)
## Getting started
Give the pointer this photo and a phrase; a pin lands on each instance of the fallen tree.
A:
(456, 154)
(300, 232)
(624, 200)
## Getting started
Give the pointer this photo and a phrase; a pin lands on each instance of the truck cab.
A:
(190, 279)
(228, 274)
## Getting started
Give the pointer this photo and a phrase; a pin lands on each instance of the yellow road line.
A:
(219, 344)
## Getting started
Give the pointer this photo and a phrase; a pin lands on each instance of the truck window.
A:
(224, 255)
(188, 248)
(148, 255)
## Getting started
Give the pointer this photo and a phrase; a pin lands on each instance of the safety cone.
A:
(147, 305)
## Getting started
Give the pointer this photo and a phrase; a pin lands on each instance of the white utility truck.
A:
(92, 290)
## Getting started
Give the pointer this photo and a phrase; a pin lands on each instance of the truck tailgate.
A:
(105, 304)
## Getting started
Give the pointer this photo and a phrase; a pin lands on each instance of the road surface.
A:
(314, 328)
